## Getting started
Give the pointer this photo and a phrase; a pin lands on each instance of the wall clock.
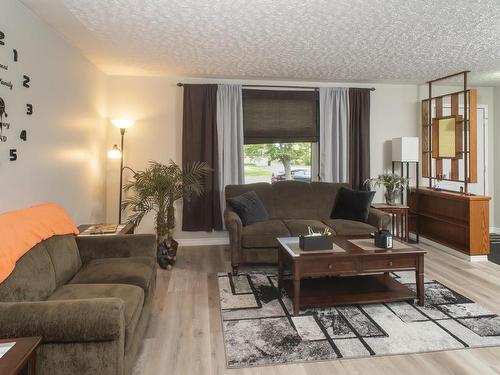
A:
(13, 85)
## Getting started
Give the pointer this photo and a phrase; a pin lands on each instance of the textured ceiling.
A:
(341, 40)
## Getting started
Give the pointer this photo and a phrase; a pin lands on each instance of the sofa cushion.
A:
(324, 196)
(132, 297)
(299, 226)
(263, 234)
(294, 200)
(249, 208)
(132, 271)
(65, 257)
(262, 189)
(352, 205)
(33, 278)
(343, 227)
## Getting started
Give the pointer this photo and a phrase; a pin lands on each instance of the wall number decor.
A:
(12, 154)
(26, 81)
(9, 81)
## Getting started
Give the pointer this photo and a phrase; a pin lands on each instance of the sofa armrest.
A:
(379, 219)
(232, 220)
(119, 246)
(234, 226)
(85, 320)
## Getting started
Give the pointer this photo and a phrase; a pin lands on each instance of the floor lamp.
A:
(405, 151)
(117, 153)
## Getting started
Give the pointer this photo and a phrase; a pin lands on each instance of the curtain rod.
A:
(285, 87)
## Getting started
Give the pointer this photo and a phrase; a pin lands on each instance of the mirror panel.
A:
(446, 138)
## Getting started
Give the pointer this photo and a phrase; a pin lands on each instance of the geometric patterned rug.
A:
(259, 328)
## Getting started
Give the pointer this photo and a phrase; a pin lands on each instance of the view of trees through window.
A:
(273, 162)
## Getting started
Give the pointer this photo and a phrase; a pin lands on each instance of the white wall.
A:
(495, 169)
(63, 159)
(394, 113)
(156, 105)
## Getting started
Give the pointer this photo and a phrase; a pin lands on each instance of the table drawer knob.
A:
(330, 266)
(390, 264)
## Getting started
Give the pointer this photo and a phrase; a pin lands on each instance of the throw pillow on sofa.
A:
(352, 205)
(249, 208)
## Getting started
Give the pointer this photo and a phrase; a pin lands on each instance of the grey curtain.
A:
(199, 143)
(229, 137)
(359, 137)
(334, 134)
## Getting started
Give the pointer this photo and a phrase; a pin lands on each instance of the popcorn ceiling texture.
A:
(342, 40)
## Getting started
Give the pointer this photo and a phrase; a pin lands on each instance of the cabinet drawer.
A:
(387, 263)
(317, 267)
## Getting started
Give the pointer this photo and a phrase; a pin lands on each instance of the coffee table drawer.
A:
(313, 267)
(387, 263)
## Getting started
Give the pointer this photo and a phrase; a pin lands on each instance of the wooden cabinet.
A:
(455, 220)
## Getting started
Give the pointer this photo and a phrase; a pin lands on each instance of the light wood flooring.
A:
(185, 336)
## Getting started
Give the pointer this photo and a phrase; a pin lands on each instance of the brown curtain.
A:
(359, 136)
(199, 143)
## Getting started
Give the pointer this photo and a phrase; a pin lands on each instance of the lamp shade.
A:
(122, 123)
(405, 149)
(115, 153)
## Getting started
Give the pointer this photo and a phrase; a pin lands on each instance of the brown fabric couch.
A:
(89, 297)
(292, 207)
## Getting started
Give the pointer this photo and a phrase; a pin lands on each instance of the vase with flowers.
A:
(393, 184)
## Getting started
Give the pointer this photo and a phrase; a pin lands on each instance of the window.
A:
(280, 133)
(272, 162)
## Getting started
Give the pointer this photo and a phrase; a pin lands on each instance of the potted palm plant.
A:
(156, 189)
(393, 184)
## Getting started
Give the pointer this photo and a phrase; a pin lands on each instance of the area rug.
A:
(259, 328)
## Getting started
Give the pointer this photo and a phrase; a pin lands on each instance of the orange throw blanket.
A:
(20, 230)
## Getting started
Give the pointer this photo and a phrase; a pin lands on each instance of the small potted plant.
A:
(393, 184)
(156, 189)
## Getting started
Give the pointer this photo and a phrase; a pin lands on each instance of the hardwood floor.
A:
(185, 336)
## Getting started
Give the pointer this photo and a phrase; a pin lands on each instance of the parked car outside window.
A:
(297, 175)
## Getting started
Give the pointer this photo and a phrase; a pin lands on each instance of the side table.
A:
(399, 213)
(21, 358)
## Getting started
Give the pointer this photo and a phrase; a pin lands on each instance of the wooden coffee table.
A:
(317, 280)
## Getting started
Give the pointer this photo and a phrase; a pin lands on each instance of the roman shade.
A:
(273, 116)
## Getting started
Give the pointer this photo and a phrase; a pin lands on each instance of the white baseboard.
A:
(203, 241)
(456, 253)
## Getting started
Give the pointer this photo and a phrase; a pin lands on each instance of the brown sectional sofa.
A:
(292, 207)
(89, 297)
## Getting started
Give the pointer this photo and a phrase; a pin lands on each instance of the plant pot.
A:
(391, 197)
(167, 253)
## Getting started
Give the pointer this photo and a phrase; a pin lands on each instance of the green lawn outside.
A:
(256, 171)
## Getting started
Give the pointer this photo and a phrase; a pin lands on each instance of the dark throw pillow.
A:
(249, 208)
(352, 205)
